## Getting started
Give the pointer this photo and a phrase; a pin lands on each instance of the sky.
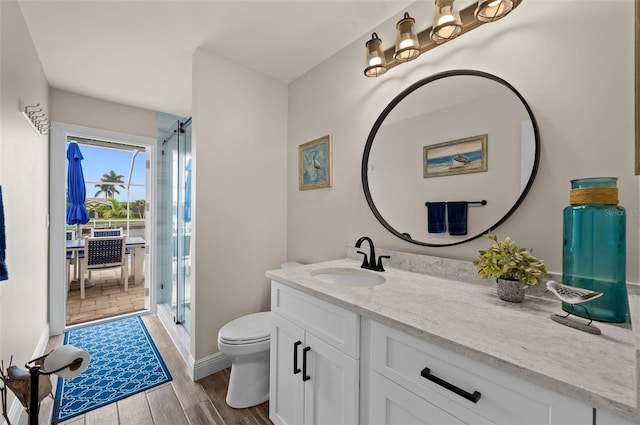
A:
(98, 161)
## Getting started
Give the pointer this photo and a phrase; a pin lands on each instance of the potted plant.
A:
(511, 265)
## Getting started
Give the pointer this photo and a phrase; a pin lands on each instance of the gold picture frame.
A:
(315, 164)
(462, 156)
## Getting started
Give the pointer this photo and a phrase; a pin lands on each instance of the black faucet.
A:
(370, 262)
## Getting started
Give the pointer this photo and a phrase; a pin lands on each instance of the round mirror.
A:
(450, 158)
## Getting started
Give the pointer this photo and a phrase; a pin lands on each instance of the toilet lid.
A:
(247, 329)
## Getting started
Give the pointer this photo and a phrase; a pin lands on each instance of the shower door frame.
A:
(177, 266)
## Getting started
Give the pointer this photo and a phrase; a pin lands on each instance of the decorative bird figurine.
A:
(574, 297)
(570, 294)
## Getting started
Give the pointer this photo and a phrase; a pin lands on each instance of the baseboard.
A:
(16, 409)
(196, 369)
(208, 365)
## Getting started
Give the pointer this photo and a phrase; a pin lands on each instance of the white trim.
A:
(16, 409)
(178, 334)
(57, 162)
(42, 342)
(208, 365)
(197, 369)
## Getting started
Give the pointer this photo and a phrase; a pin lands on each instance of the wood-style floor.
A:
(178, 402)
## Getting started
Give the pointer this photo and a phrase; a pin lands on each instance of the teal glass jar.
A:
(594, 248)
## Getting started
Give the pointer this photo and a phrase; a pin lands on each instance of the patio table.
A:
(137, 244)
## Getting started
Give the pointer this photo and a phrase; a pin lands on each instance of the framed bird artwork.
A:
(314, 164)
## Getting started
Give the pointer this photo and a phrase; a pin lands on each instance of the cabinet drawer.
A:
(336, 326)
(504, 399)
(393, 405)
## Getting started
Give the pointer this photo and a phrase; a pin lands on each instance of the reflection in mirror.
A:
(435, 117)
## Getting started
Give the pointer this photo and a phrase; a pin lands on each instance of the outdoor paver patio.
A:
(106, 298)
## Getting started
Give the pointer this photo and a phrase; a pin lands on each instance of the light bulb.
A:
(493, 5)
(446, 31)
(406, 43)
(493, 10)
(446, 18)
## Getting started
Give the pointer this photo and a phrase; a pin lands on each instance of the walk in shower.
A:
(174, 236)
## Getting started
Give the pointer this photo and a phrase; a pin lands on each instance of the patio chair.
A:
(100, 232)
(105, 253)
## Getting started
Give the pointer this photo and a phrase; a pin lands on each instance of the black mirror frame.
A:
(389, 108)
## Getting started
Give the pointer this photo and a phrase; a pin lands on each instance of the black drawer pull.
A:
(296, 369)
(305, 377)
(426, 373)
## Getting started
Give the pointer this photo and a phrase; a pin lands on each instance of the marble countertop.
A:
(519, 338)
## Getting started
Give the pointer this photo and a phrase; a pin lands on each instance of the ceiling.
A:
(139, 52)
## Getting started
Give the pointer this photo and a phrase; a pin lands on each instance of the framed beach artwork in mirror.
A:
(314, 164)
(462, 156)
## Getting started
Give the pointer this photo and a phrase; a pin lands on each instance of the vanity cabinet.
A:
(413, 381)
(314, 366)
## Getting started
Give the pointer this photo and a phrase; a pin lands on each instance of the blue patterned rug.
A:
(124, 361)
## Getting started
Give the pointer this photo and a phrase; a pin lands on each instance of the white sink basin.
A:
(348, 277)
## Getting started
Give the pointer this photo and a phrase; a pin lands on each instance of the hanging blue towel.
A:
(4, 273)
(436, 220)
(457, 217)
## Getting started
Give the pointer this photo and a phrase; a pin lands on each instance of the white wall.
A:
(578, 83)
(88, 111)
(239, 221)
(24, 159)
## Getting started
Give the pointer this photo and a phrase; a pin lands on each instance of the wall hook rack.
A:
(37, 118)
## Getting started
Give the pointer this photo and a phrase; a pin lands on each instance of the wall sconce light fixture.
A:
(407, 46)
(376, 62)
(446, 22)
(447, 25)
(492, 10)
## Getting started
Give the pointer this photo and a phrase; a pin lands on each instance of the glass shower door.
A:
(176, 222)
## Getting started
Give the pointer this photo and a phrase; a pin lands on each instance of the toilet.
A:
(246, 342)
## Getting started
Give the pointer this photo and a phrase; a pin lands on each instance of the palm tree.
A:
(137, 208)
(115, 210)
(111, 180)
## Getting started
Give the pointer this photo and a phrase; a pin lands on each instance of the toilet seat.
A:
(249, 329)
(243, 341)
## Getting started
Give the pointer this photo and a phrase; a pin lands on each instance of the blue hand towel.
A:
(435, 217)
(4, 273)
(457, 217)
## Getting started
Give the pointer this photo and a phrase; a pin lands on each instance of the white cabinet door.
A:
(311, 381)
(331, 388)
(286, 387)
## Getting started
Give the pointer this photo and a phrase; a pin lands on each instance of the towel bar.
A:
(483, 202)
